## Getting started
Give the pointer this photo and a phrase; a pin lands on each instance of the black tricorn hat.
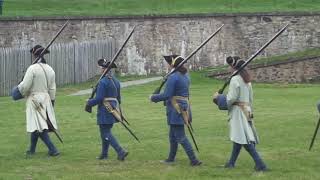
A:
(173, 59)
(235, 61)
(105, 63)
(37, 49)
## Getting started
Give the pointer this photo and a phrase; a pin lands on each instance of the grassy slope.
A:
(143, 7)
(285, 119)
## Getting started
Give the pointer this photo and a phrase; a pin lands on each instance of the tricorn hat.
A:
(105, 63)
(37, 49)
(235, 61)
(173, 60)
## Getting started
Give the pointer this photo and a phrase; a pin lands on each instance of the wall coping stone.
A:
(138, 17)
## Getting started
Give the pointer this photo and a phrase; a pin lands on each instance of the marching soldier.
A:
(39, 88)
(108, 100)
(176, 97)
(239, 102)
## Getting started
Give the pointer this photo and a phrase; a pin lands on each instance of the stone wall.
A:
(290, 71)
(155, 36)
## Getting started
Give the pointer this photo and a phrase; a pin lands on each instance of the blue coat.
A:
(106, 88)
(176, 85)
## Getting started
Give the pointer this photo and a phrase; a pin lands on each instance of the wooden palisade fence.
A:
(72, 62)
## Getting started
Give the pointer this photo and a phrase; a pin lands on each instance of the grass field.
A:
(146, 7)
(285, 117)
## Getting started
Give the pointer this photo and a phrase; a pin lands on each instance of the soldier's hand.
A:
(88, 108)
(215, 95)
(87, 101)
(52, 102)
(150, 97)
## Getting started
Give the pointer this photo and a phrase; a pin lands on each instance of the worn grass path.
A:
(285, 117)
(122, 84)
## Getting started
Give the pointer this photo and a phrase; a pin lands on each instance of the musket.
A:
(49, 44)
(164, 79)
(94, 90)
(316, 130)
(251, 58)
(121, 118)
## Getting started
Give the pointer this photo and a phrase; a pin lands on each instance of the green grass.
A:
(285, 116)
(146, 7)
(312, 52)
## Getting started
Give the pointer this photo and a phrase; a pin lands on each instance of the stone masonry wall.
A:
(290, 71)
(155, 36)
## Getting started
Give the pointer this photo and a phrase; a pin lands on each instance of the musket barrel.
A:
(116, 56)
(50, 43)
(89, 108)
(186, 59)
(252, 57)
(196, 50)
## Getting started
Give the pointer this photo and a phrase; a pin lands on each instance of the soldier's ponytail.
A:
(245, 76)
(183, 70)
(243, 73)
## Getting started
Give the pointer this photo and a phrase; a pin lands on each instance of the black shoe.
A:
(167, 161)
(56, 153)
(123, 156)
(196, 163)
(229, 166)
(261, 169)
(30, 153)
(102, 157)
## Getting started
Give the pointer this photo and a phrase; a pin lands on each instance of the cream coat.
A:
(240, 130)
(38, 93)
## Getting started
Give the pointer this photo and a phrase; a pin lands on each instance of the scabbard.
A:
(116, 113)
(50, 126)
(186, 118)
(314, 135)
(113, 111)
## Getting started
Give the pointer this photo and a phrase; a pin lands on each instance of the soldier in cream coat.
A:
(39, 89)
(238, 102)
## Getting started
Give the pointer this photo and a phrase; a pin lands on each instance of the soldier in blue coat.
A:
(108, 95)
(176, 97)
